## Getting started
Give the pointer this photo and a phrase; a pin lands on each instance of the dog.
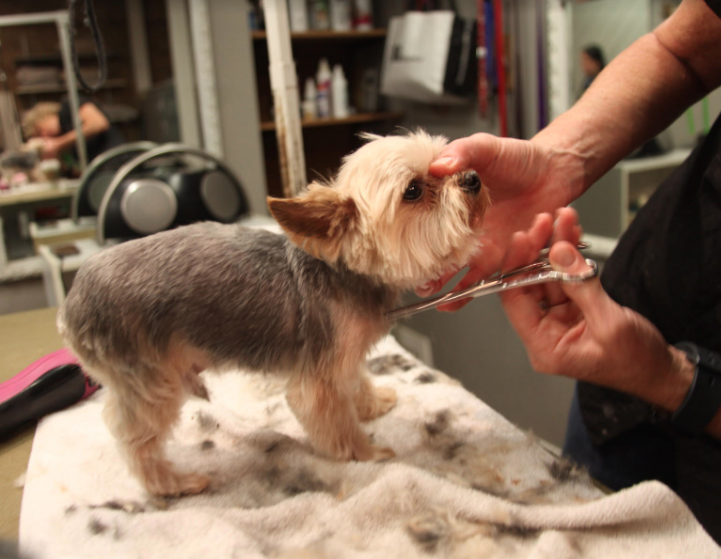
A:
(147, 316)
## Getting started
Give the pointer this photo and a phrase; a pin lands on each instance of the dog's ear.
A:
(316, 221)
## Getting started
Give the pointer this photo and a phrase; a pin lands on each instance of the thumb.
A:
(474, 152)
(588, 295)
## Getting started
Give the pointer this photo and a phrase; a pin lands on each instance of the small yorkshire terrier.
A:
(147, 316)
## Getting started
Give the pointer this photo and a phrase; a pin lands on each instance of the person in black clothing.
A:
(592, 62)
(54, 124)
(644, 408)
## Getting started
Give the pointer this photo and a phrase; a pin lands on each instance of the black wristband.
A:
(704, 397)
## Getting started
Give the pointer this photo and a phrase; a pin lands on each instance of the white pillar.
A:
(284, 83)
(181, 53)
(205, 76)
(559, 88)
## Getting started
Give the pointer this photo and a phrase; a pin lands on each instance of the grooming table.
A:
(465, 483)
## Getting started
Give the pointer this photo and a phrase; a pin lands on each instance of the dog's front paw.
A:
(387, 398)
(382, 454)
(372, 453)
(175, 485)
(357, 448)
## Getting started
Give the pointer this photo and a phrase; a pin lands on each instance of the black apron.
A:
(667, 267)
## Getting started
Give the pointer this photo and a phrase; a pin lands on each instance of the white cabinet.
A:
(607, 208)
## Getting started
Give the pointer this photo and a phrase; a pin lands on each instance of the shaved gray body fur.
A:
(269, 301)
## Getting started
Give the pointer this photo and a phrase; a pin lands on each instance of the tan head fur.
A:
(386, 216)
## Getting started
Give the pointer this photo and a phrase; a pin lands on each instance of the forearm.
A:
(637, 96)
(640, 93)
(66, 141)
(90, 129)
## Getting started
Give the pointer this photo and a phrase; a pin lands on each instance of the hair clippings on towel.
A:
(534, 274)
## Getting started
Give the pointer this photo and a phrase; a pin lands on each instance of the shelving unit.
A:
(326, 141)
(328, 35)
(605, 209)
(117, 83)
(48, 59)
(269, 126)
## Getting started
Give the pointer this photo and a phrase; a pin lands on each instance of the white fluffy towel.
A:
(465, 483)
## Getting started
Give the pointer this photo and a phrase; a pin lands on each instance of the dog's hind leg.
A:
(194, 384)
(325, 408)
(140, 416)
(373, 401)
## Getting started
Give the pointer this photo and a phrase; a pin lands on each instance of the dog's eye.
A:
(414, 191)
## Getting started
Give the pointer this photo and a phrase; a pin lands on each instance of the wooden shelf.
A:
(353, 119)
(57, 59)
(62, 88)
(314, 35)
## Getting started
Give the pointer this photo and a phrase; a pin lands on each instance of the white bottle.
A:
(340, 93)
(363, 20)
(298, 11)
(340, 15)
(309, 100)
(323, 84)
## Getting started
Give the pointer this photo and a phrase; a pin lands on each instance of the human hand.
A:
(51, 148)
(524, 178)
(577, 330)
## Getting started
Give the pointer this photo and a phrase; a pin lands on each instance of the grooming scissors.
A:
(536, 273)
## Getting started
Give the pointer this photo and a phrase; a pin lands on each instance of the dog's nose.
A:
(471, 182)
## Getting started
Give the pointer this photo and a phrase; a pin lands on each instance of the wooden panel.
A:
(156, 23)
(329, 35)
(353, 119)
(324, 149)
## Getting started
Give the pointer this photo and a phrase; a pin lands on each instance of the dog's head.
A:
(386, 216)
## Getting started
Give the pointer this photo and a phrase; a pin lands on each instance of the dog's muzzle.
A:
(471, 182)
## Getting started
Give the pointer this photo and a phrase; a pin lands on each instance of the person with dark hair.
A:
(592, 62)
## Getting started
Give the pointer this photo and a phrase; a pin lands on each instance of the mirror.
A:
(135, 102)
(605, 28)
(596, 31)
(41, 157)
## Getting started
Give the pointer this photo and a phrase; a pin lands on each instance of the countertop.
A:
(24, 338)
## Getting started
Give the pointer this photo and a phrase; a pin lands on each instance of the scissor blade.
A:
(543, 274)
